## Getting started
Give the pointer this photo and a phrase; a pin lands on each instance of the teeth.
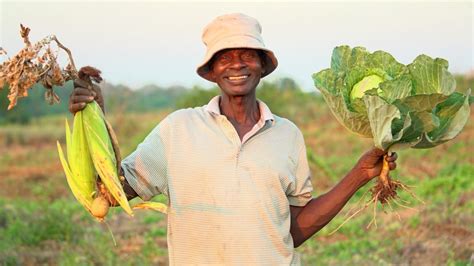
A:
(238, 77)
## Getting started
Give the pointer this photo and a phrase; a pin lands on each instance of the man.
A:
(236, 176)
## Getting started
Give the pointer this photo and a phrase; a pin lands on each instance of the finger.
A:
(74, 108)
(392, 158)
(82, 91)
(81, 99)
(392, 165)
(81, 83)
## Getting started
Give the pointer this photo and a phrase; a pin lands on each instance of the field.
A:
(41, 223)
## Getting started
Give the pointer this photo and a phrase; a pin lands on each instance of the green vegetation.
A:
(34, 105)
(118, 99)
(42, 223)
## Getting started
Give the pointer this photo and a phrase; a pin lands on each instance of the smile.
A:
(243, 77)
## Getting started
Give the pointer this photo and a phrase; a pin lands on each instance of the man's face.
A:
(237, 71)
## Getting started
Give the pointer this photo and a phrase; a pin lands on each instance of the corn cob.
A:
(102, 153)
(83, 162)
(90, 148)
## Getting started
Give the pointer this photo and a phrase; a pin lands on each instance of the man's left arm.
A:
(307, 220)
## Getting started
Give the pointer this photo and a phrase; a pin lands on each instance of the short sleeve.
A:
(146, 168)
(300, 195)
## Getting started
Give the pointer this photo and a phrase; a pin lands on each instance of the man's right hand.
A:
(81, 95)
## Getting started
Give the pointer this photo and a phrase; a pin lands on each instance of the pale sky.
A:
(143, 42)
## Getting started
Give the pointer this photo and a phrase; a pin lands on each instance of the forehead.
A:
(235, 51)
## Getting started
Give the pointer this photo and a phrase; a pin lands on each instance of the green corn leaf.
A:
(84, 197)
(80, 162)
(68, 140)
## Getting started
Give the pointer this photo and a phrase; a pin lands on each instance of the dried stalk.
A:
(35, 63)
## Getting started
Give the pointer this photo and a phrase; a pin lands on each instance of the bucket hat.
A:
(234, 31)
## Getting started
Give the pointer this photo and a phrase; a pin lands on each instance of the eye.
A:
(224, 58)
(249, 55)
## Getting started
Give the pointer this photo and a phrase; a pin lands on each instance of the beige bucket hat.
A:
(234, 31)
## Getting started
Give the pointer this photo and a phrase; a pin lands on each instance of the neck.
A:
(242, 110)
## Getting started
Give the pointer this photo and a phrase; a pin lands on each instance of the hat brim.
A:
(240, 41)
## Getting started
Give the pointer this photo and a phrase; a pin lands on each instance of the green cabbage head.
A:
(397, 105)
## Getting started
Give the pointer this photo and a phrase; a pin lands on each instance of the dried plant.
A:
(35, 63)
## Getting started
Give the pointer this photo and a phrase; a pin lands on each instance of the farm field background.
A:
(41, 223)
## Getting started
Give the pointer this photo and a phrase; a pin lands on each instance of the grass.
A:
(446, 212)
(30, 229)
(30, 223)
(41, 223)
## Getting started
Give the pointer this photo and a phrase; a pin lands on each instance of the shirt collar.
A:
(265, 113)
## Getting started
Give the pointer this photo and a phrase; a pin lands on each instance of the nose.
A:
(237, 63)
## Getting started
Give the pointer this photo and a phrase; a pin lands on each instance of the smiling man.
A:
(236, 175)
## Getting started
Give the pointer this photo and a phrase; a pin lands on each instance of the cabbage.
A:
(367, 83)
(397, 105)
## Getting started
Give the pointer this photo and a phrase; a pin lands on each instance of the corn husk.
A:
(102, 153)
(150, 205)
(91, 152)
(78, 167)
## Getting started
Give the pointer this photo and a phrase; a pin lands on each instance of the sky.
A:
(152, 42)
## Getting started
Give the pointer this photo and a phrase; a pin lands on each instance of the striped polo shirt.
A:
(229, 199)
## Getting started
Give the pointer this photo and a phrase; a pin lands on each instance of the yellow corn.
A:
(102, 153)
(90, 152)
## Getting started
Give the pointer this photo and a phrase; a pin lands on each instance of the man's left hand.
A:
(370, 163)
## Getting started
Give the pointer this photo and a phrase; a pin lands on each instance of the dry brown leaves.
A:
(34, 64)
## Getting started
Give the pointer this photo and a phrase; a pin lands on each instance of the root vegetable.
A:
(100, 207)
(386, 188)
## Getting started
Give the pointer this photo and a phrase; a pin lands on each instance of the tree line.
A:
(284, 97)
